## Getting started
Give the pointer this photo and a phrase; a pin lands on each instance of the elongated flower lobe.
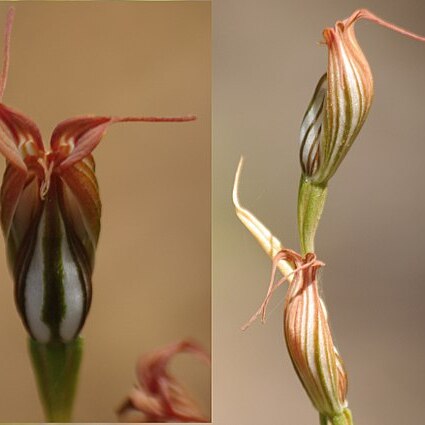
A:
(341, 101)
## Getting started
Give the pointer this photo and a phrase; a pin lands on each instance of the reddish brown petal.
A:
(81, 203)
(75, 138)
(13, 183)
(22, 146)
(20, 138)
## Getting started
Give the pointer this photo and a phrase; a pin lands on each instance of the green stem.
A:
(323, 419)
(56, 367)
(345, 418)
(311, 200)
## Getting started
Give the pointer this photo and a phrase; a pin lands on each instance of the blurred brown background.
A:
(267, 62)
(152, 276)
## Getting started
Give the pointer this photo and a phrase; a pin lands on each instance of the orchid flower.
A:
(334, 118)
(158, 396)
(341, 101)
(50, 217)
(308, 335)
(305, 319)
(50, 214)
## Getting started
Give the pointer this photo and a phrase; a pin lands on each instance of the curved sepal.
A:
(20, 138)
(75, 138)
(21, 145)
(80, 203)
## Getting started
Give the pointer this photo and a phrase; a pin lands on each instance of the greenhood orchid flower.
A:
(50, 215)
(309, 339)
(341, 101)
(51, 218)
(334, 118)
(308, 335)
(305, 320)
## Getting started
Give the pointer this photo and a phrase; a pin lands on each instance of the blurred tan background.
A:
(267, 62)
(151, 284)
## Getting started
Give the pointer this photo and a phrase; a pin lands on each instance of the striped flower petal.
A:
(21, 145)
(341, 101)
(311, 129)
(309, 340)
(308, 336)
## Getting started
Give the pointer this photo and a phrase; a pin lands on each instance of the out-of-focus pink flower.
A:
(158, 396)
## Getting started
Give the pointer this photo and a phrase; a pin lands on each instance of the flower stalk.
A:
(311, 201)
(56, 366)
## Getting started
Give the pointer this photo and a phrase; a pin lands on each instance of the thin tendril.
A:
(6, 50)
(287, 255)
(154, 119)
(365, 14)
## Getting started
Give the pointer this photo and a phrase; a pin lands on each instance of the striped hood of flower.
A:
(341, 101)
(307, 333)
(50, 214)
(309, 339)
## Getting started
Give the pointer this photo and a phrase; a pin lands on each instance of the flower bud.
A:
(341, 101)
